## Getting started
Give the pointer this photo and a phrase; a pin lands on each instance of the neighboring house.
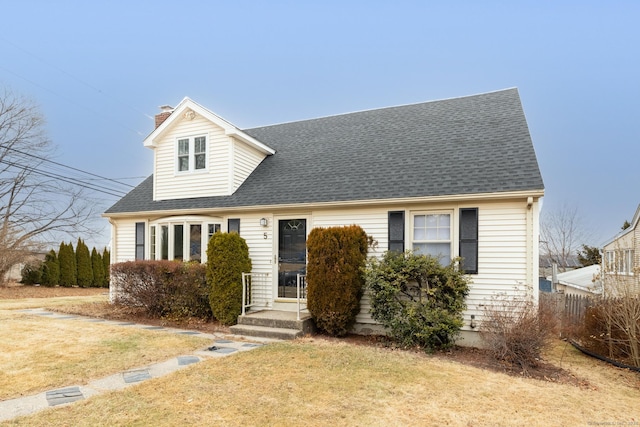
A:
(583, 281)
(456, 177)
(621, 259)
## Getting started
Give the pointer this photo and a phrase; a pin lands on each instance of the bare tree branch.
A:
(34, 209)
(562, 232)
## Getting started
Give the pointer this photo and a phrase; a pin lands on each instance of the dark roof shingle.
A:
(469, 145)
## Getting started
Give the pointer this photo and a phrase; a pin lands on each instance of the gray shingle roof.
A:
(469, 145)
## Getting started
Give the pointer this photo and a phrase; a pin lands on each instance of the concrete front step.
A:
(266, 332)
(274, 324)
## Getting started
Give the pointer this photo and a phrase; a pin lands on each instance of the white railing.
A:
(249, 297)
(301, 291)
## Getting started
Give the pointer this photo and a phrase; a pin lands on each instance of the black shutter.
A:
(469, 240)
(233, 225)
(396, 231)
(140, 240)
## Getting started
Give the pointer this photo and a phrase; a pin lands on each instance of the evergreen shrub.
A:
(418, 300)
(67, 260)
(227, 259)
(98, 269)
(84, 269)
(334, 276)
(106, 264)
(31, 273)
(51, 269)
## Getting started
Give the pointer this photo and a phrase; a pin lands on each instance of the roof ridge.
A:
(384, 108)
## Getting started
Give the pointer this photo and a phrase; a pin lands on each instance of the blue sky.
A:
(99, 70)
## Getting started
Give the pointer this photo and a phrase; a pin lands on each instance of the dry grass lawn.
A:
(311, 382)
(38, 353)
(317, 382)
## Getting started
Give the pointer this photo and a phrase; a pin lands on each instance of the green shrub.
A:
(98, 269)
(169, 289)
(418, 300)
(31, 273)
(334, 276)
(227, 259)
(50, 269)
(84, 270)
(106, 264)
(67, 260)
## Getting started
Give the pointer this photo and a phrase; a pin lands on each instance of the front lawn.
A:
(38, 353)
(319, 382)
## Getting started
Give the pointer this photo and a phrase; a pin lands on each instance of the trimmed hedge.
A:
(334, 276)
(227, 259)
(163, 288)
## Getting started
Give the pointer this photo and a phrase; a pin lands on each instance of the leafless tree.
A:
(562, 232)
(36, 207)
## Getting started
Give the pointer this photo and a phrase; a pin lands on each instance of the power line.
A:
(69, 180)
(65, 166)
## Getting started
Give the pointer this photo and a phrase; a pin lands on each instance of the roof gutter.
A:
(535, 194)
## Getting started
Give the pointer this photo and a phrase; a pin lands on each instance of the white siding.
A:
(502, 256)
(215, 181)
(261, 254)
(124, 240)
(507, 243)
(245, 160)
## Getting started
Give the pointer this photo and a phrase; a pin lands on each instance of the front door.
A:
(292, 255)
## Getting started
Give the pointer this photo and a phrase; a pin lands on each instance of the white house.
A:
(585, 281)
(621, 260)
(455, 177)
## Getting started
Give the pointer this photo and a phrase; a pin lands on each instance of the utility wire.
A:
(70, 180)
(65, 166)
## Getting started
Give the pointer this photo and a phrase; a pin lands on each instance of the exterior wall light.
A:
(264, 222)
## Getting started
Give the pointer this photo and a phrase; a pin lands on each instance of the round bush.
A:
(418, 300)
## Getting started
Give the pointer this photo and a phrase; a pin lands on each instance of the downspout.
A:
(114, 255)
(531, 240)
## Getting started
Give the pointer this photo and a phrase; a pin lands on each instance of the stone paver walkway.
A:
(222, 345)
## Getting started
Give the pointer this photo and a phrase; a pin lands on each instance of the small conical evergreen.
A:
(106, 262)
(98, 269)
(84, 271)
(51, 269)
(67, 260)
(227, 259)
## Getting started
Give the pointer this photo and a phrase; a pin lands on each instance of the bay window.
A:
(180, 239)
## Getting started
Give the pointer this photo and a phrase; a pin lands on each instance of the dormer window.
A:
(191, 154)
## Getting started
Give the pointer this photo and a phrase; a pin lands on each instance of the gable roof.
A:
(470, 145)
(188, 104)
(630, 229)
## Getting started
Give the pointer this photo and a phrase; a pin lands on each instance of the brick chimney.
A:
(165, 112)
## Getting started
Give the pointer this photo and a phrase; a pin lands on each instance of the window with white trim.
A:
(432, 234)
(191, 154)
(182, 240)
